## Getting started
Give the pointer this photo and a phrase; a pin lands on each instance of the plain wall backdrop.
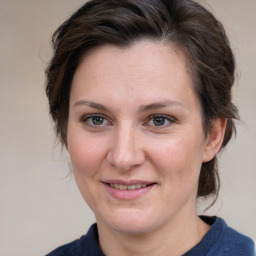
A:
(40, 206)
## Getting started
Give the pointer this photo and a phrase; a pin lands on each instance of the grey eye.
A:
(97, 120)
(159, 121)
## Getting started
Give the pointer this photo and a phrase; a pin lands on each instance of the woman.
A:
(140, 92)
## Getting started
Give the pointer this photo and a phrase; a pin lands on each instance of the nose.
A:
(126, 151)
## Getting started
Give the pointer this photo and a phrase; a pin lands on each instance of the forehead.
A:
(142, 69)
(143, 56)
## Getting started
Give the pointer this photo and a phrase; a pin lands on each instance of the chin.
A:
(132, 228)
(131, 222)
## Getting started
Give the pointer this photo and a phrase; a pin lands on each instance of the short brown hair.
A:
(183, 23)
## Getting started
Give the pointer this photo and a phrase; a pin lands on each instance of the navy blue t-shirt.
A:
(220, 240)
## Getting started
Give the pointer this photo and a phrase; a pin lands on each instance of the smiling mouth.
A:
(128, 190)
(129, 187)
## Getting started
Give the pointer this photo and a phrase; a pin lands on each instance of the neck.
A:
(176, 238)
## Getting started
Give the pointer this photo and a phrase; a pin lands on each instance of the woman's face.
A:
(135, 136)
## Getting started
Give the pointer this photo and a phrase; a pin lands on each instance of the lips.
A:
(128, 190)
(129, 187)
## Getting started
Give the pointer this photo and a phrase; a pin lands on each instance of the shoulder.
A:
(236, 243)
(230, 242)
(72, 248)
(87, 245)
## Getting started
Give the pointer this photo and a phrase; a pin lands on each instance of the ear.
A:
(214, 139)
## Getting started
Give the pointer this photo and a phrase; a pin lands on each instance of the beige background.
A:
(40, 207)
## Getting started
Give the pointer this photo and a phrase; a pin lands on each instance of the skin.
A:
(124, 88)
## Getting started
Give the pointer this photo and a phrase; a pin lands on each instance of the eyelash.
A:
(85, 120)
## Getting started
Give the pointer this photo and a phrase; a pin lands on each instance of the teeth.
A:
(122, 187)
(130, 187)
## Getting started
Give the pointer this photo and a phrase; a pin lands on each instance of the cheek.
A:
(178, 161)
(86, 154)
(179, 169)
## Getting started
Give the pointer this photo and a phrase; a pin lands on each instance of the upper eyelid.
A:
(163, 116)
(86, 116)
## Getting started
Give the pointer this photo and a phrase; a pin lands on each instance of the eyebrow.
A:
(142, 108)
(91, 104)
(157, 105)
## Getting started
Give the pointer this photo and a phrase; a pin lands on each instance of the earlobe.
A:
(214, 139)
